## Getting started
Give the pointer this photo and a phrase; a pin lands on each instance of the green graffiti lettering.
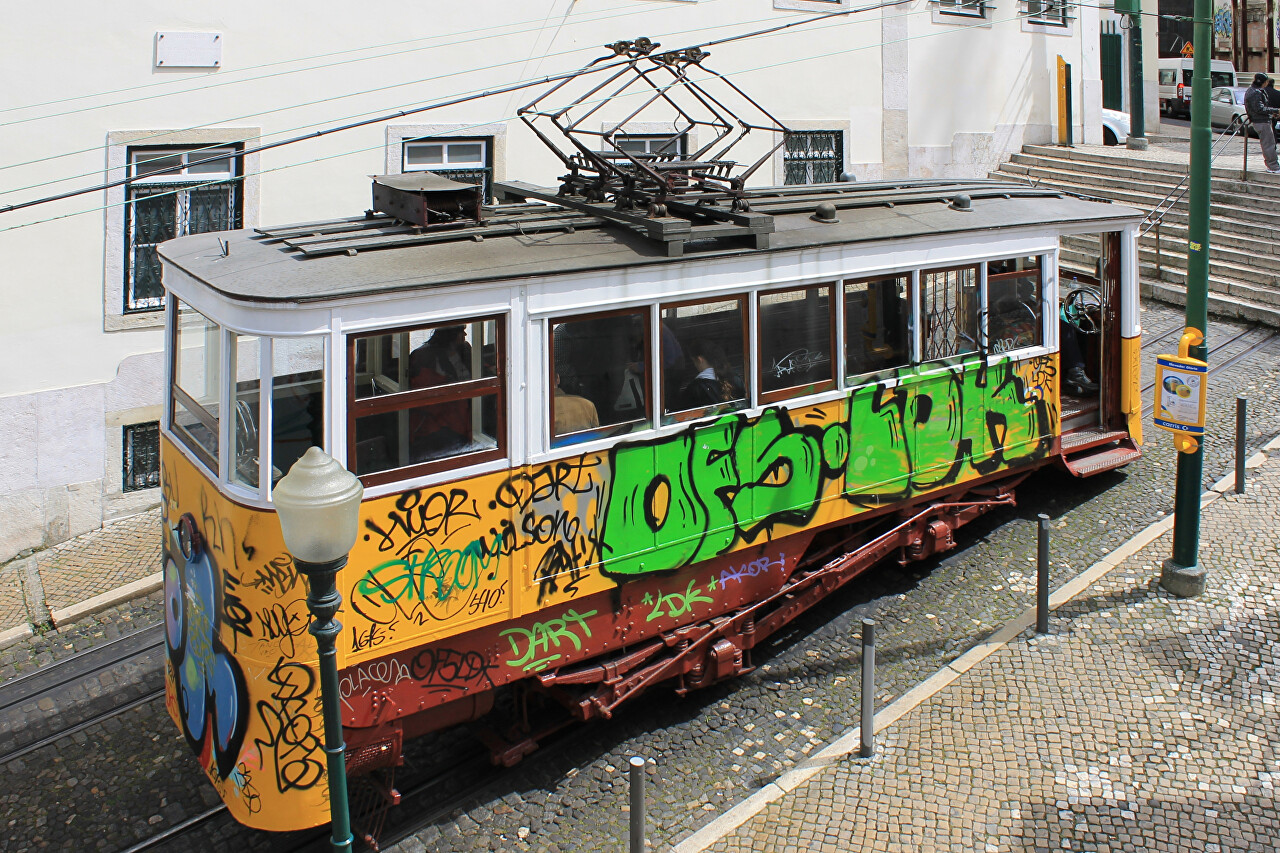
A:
(674, 604)
(532, 645)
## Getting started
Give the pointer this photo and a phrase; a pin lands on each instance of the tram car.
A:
(604, 447)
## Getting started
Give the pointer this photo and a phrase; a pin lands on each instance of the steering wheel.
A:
(1083, 305)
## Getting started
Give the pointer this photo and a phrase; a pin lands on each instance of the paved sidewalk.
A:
(83, 575)
(1143, 722)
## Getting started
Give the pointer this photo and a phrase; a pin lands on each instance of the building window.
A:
(964, 8)
(949, 306)
(426, 399)
(601, 377)
(466, 160)
(796, 330)
(1056, 13)
(653, 145)
(813, 156)
(141, 456)
(173, 193)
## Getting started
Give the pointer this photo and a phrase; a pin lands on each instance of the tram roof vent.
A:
(426, 199)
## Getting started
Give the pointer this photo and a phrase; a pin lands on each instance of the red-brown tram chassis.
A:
(817, 563)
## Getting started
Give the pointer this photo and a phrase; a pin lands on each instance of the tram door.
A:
(1110, 367)
(1089, 331)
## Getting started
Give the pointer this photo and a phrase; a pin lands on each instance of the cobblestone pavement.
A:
(34, 585)
(1143, 722)
(803, 695)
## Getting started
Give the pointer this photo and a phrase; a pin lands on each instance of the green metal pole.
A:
(1137, 117)
(1182, 574)
(323, 600)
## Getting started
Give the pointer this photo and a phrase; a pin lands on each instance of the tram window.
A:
(248, 405)
(425, 398)
(197, 382)
(600, 376)
(297, 400)
(703, 358)
(876, 317)
(1015, 309)
(796, 342)
(949, 306)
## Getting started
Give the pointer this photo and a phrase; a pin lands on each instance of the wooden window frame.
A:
(648, 312)
(793, 391)
(176, 394)
(685, 415)
(856, 380)
(403, 400)
(984, 326)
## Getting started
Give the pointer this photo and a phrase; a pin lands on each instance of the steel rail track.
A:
(13, 755)
(26, 687)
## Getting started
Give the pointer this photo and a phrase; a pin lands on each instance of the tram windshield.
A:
(287, 372)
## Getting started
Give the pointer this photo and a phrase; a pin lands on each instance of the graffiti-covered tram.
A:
(593, 464)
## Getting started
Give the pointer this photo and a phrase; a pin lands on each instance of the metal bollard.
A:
(1242, 408)
(868, 746)
(637, 804)
(1042, 576)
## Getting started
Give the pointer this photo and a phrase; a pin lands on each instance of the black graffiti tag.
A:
(282, 623)
(415, 518)
(290, 736)
(445, 670)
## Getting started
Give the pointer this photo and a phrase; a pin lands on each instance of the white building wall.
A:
(913, 97)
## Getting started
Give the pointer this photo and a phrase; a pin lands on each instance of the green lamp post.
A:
(318, 503)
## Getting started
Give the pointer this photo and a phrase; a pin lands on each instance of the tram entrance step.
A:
(1089, 452)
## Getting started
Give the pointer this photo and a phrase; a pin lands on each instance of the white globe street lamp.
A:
(318, 503)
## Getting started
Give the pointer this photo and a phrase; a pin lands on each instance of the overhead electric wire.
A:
(229, 141)
(552, 78)
(379, 147)
(488, 33)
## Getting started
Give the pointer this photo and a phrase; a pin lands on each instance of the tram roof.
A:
(258, 266)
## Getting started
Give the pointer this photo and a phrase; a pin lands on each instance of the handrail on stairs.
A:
(1166, 204)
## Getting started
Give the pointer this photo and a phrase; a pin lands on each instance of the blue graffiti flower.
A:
(211, 693)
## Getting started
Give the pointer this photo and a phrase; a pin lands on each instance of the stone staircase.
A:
(1244, 240)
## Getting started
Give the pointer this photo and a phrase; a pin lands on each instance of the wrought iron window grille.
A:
(1053, 13)
(141, 456)
(963, 8)
(813, 156)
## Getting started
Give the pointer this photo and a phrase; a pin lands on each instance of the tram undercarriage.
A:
(696, 655)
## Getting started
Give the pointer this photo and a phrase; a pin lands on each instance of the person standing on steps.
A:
(1261, 114)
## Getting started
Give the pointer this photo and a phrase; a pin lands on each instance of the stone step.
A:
(1234, 193)
(1224, 214)
(1220, 305)
(1230, 263)
(1222, 278)
(1225, 180)
(1257, 174)
(1227, 299)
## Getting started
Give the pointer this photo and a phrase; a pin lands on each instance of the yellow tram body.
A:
(666, 526)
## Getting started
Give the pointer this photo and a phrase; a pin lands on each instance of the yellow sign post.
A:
(1182, 386)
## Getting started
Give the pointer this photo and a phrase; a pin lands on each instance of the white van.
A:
(1175, 82)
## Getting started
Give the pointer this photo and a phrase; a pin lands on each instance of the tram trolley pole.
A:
(637, 804)
(1042, 575)
(867, 747)
(1242, 409)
